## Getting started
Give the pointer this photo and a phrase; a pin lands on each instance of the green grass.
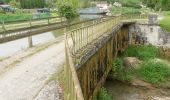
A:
(103, 95)
(125, 10)
(145, 52)
(121, 72)
(21, 17)
(165, 23)
(154, 71)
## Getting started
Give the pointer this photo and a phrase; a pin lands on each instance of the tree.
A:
(67, 10)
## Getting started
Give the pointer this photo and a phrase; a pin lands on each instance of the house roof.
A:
(1, 2)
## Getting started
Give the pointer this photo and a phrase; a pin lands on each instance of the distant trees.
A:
(32, 4)
(158, 4)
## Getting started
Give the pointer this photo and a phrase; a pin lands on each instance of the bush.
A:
(165, 23)
(67, 10)
(120, 71)
(103, 95)
(154, 71)
(143, 52)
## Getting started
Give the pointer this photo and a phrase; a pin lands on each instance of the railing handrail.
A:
(75, 85)
(117, 19)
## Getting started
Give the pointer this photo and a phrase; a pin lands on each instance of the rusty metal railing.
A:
(74, 91)
(84, 35)
(78, 39)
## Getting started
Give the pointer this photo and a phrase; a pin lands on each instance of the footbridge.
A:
(17, 30)
(90, 51)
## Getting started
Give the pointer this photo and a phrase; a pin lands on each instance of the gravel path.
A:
(27, 78)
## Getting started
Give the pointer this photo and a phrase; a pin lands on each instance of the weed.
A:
(103, 95)
(165, 23)
(145, 52)
(154, 71)
(121, 72)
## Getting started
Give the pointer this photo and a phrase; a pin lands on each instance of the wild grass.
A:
(165, 22)
(142, 52)
(103, 95)
(125, 10)
(154, 71)
(20, 17)
(121, 72)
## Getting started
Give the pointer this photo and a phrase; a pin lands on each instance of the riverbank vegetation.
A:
(152, 69)
(103, 95)
(165, 22)
(23, 17)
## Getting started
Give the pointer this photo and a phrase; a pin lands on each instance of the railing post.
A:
(61, 19)
(67, 65)
(30, 22)
(3, 26)
(48, 20)
(30, 43)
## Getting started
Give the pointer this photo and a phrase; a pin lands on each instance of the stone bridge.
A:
(90, 52)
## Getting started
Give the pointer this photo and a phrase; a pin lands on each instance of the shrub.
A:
(67, 10)
(103, 95)
(120, 71)
(165, 23)
(154, 71)
(143, 52)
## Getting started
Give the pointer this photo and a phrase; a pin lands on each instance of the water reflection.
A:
(7, 49)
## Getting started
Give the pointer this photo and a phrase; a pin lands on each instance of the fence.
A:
(78, 39)
(18, 25)
(74, 91)
(83, 36)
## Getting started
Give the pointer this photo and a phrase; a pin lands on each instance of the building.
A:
(103, 5)
(7, 8)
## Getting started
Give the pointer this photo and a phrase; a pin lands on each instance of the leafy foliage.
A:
(121, 72)
(165, 23)
(157, 4)
(145, 52)
(154, 71)
(103, 95)
(67, 10)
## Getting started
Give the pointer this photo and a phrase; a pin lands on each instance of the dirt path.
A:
(26, 78)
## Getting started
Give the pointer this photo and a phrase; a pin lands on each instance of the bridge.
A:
(90, 51)
(17, 30)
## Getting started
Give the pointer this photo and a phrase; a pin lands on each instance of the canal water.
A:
(123, 91)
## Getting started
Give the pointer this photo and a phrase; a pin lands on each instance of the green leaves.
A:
(145, 52)
(154, 71)
(67, 10)
(120, 71)
(103, 95)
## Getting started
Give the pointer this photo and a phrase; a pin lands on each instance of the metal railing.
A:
(30, 23)
(78, 39)
(74, 91)
(84, 35)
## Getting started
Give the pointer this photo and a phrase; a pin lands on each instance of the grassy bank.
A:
(128, 10)
(22, 17)
(151, 69)
(165, 22)
(103, 95)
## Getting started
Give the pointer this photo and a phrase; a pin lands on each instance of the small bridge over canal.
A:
(90, 51)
